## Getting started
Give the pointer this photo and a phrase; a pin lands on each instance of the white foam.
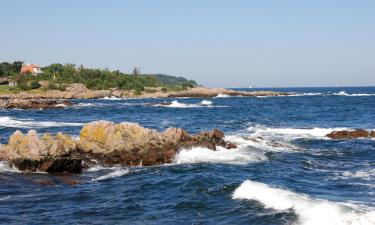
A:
(343, 93)
(293, 133)
(261, 143)
(7, 121)
(206, 102)
(222, 96)
(310, 211)
(4, 167)
(303, 94)
(362, 174)
(60, 105)
(112, 98)
(5, 198)
(117, 173)
(221, 155)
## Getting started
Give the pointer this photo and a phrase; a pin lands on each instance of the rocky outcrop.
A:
(104, 142)
(345, 134)
(33, 103)
(131, 144)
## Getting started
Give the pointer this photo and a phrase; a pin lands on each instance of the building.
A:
(31, 69)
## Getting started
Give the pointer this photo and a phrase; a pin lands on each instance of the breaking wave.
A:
(4, 167)
(7, 121)
(310, 211)
(222, 96)
(221, 155)
(177, 104)
(112, 98)
(292, 133)
(343, 93)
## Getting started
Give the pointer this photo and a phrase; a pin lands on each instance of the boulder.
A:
(345, 134)
(131, 144)
(76, 87)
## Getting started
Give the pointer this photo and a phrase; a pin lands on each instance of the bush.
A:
(137, 92)
(24, 86)
(164, 89)
(35, 85)
(52, 86)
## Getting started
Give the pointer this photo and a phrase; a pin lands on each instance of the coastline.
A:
(78, 91)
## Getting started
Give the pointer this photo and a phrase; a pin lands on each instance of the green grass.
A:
(4, 88)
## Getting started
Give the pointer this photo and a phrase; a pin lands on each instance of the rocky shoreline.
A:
(104, 143)
(33, 103)
(79, 91)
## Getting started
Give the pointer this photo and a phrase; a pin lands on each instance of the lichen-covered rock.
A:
(131, 144)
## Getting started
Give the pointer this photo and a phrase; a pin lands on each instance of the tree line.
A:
(59, 75)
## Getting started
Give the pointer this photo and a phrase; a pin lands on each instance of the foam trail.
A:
(310, 211)
(7, 121)
(221, 155)
(116, 173)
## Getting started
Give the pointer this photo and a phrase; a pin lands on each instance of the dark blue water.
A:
(291, 175)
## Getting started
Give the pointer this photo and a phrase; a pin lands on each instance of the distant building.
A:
(31, 69)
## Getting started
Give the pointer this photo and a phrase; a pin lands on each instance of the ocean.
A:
(284, 171)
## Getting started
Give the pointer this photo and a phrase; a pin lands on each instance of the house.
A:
(31, 69)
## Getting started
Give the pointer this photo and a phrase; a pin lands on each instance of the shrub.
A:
(35, 85)
(52, 86)
(137, 92)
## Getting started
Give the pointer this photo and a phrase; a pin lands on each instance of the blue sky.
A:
(218, 43)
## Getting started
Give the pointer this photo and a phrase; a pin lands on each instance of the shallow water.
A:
(293, 175)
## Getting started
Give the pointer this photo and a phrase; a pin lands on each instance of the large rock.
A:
(345, 134)
(50, 154)
(131, 144)
(76, 87)
(104, 142)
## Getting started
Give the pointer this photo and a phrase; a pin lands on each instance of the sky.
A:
(268, 43)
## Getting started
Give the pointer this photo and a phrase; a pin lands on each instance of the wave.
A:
(362, 174)
(7, 121)
(221, 155)
(112, 98)
(4, 167)
(117, 173)
(177, 104)
(343, 93)
(310, 211)
(293, 133)
(206, 102)
(222, 96)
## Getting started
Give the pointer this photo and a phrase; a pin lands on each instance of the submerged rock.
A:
(105, 142)
(345, 134)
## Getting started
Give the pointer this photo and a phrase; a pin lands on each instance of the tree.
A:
(136, 71)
